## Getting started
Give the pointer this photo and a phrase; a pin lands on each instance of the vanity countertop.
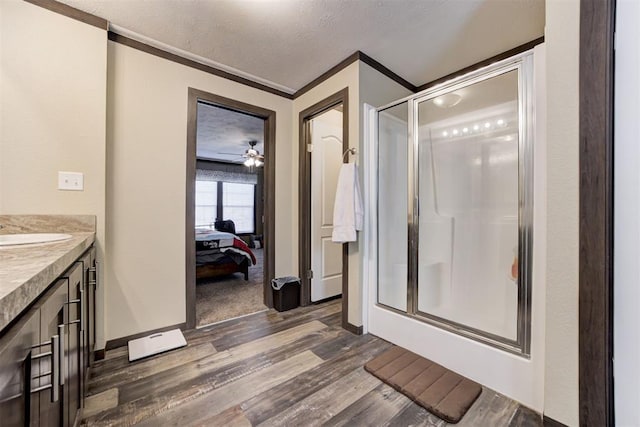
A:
(26, 271)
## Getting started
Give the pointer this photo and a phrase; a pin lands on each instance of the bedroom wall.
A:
(53, 76)
(146, 179)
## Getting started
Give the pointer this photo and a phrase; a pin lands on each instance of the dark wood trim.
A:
(356, 56)
(71, 12)
(499, 57)
(597, 22)
(120, 342)
(550, 422)
(190, 209)
(126, 41)
(304, 196)
(269, 117)
(327, 74)
(96, 21)
(357, 330)
(345, 264)
(387, 72)
(99, 354)
(269, 208)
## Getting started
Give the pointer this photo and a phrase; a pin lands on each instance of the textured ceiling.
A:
(224, 135)
(291, 42)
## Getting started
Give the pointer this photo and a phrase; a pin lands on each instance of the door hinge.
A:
(309, 274)
(309, 148)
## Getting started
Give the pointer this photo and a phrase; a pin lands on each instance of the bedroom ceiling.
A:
(224, 135)
(288, 43)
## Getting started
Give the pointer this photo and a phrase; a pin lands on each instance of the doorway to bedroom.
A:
(229, 217)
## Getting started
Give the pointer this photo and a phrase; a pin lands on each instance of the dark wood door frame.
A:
(597, 20)
(269, 116)
(304, 198)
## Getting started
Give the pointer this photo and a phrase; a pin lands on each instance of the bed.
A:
(221, 253)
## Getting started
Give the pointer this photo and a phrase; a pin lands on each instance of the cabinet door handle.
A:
(94, 271)
(56, 363)
(82, 320)
(91, 276)
(62, 371)
(95, 284)
(54, 354)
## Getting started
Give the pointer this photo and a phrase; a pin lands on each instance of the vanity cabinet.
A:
(88, 307)
(45, 353)
(54, 410)
(18, 405)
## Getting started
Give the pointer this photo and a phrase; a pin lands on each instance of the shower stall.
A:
(455, 205)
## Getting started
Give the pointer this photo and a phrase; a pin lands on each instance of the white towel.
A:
(348, 214)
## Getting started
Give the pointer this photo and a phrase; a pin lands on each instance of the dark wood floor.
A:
(296, 368)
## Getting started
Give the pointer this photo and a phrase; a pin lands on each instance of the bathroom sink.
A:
(29, 239)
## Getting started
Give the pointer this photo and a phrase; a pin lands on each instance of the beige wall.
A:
(347, 77)
(140, 104)
(376, 89)
(146, 180)
(52, 115)
(54, 98)
(365, 85)
(561, 350)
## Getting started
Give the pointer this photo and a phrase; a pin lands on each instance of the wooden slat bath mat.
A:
(437, 389)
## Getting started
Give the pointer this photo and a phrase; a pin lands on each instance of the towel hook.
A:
(349, 151)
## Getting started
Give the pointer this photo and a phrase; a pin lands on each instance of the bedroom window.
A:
(206, 203)
(223, 195)
(238, 205)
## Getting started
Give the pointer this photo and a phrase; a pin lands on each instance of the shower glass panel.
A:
(455, 205)
(468, 187)
(392, 206)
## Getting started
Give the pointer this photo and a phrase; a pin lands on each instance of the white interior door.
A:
(326, 158)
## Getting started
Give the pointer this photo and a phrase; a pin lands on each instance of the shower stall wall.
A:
(455, 205)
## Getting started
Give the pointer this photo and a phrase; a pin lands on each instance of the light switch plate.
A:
(73, 181)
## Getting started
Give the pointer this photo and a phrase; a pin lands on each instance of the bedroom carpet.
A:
(226, 297)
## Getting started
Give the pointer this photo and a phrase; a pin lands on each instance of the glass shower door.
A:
(468, 187)
(393, 158)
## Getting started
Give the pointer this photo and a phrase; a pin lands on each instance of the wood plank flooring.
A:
(296, 368)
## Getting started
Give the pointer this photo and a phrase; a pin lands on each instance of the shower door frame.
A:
(523, 63)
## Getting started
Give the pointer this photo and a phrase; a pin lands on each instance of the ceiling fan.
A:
(251, 155)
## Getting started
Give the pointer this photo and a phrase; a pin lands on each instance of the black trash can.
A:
(286, 292)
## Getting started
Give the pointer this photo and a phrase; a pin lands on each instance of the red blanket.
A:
(240, 247)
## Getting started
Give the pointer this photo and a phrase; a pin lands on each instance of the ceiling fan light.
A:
(249, 162)
(259, 163)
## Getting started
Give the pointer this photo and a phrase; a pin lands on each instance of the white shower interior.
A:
(447, 291)
(467, 173)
